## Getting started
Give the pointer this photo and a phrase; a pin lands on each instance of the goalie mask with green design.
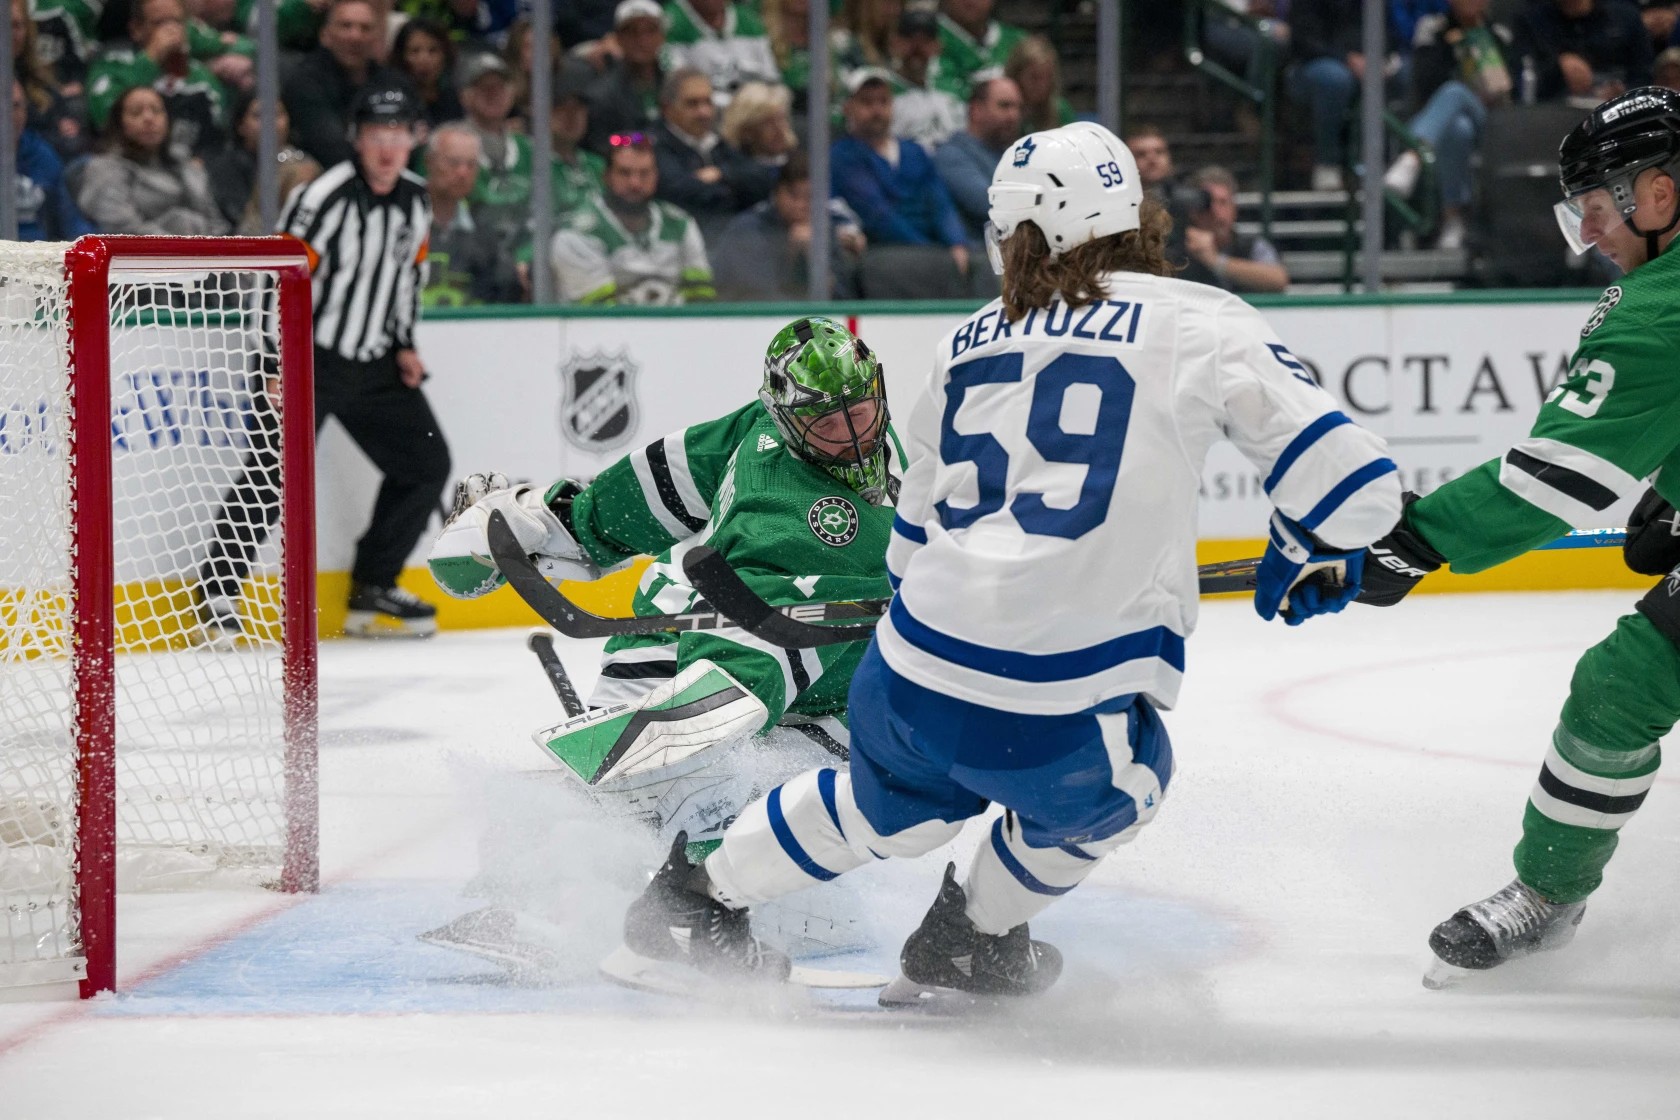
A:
(823, 387)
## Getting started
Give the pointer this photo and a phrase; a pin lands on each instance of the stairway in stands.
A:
(1309, 229)
(1204, 124)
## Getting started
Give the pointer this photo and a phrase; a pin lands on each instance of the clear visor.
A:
(1586, 218)
(994, 248)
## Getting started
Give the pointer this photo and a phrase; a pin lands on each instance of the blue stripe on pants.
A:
(790, 844)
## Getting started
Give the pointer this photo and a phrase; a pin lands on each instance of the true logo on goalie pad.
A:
(834, 520)
(599, 411)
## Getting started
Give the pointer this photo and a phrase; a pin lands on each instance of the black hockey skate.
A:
(388, 612)
(947, 954)
(1512, 922)
(676, 922)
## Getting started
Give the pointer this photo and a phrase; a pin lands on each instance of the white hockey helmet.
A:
(1076, 183)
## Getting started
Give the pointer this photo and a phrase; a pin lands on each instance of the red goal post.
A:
(156, 421)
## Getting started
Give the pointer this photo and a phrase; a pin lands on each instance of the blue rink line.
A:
(352, 950)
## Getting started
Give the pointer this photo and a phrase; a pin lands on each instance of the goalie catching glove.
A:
(460, 559)
(1300, 576)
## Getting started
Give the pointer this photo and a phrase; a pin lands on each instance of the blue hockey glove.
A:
(1300, 576)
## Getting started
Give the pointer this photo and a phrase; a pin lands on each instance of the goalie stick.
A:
(712, 576)
(573, 621)
(541, 643)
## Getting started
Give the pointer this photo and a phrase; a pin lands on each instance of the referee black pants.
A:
(395, 428)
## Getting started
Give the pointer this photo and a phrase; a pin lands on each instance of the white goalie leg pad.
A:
(697, 709)
(1010, 881)
(807, 831)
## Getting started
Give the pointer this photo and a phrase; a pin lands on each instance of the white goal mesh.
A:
(193, 658)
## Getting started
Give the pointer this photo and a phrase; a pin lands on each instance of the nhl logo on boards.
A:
(599, 411)
(1606, 303)
(834, 520)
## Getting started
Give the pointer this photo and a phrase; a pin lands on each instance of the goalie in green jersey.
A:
(795, 489)
(1613, 422)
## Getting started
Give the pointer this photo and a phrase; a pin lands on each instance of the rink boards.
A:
(1450, 381)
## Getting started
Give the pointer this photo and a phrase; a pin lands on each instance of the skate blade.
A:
(1440, 975)
(383, 627)
(632, 970)
(495, 934)
(904, 994)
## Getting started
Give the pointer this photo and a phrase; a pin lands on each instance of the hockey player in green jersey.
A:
(1613, 421)
(795, 489)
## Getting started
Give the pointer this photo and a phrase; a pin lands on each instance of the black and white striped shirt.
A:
(365, 251)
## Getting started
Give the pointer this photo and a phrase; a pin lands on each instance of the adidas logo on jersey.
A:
(766, 443)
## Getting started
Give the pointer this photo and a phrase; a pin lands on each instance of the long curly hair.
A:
(1031, 279)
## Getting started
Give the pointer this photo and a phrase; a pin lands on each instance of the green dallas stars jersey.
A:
(1613, 421)
(739, 52)
(963, 54)
(793, 532)
(598, 260)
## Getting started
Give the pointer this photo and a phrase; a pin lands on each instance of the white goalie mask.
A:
(1076, 183)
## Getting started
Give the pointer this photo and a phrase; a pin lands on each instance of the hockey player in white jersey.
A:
(1043, 554)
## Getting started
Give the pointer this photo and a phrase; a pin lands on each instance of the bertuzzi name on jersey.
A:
(1059, 464)
(1105, 320)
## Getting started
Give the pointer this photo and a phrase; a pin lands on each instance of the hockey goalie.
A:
(796, 490)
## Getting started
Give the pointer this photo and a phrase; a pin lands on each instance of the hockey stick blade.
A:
(541, 643)
(573, 621)
(723, 587)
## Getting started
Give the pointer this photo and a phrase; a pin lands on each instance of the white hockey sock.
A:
(1009, 881)
(807, 831)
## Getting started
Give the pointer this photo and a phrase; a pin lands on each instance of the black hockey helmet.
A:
(1621, 138)
(385, 104)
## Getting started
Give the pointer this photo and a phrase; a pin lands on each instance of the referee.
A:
(364, 224)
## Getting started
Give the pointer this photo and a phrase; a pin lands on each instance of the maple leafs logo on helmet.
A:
(1076, 183)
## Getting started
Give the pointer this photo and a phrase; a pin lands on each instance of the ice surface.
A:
(1256, 952)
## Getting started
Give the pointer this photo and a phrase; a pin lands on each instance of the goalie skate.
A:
(521, 943)
(1515, 921)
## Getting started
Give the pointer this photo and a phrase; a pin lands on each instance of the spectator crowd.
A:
(680, 169)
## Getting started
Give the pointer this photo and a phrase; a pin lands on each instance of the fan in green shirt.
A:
(972, 40)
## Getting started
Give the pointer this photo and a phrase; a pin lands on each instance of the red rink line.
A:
(1275, 705)
(81, 1007)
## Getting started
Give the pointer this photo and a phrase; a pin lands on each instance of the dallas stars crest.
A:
(834, 520)
(599, 411)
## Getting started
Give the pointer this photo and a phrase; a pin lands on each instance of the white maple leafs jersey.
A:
(1044, 549)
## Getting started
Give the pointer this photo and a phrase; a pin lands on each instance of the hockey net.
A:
(155, 420)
